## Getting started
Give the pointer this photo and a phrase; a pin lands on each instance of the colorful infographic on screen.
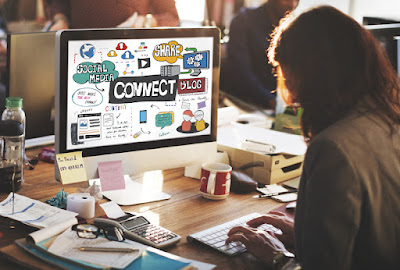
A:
(132, 90)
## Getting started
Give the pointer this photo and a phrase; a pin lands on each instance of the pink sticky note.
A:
(111, 175)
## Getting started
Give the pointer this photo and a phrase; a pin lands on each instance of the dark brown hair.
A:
(332, 63)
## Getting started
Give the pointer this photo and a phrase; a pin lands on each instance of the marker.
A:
(274, 194)
(107, 249)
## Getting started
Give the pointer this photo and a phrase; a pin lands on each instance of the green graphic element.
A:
(164, 119)
(191, 49)
(187, 72)
(95, 72)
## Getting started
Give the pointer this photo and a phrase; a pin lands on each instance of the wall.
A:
(387, 9)
(342, 5)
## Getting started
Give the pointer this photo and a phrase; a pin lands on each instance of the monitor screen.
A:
(135, 89)
(386, 35)
(31, 77)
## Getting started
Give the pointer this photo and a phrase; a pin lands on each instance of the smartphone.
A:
(288, 197)
(138, 228)
(143, 116)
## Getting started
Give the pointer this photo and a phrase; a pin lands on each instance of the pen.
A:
(274, 194)
(107, 249)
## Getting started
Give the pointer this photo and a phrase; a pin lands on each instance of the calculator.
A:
(138, 228)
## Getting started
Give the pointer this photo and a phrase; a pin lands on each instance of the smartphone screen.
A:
(143, 116)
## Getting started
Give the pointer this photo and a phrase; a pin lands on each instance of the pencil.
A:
(107, 249)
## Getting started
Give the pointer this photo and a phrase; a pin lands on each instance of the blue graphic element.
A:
(35, 220)
(196, 60)
(24, 210)
(127, 55)
(143, 116)
(87, 51)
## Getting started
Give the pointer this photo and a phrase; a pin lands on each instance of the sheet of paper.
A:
(111, 175)
(34, 213)
(112, 210)
(235, 134)
(272, 189)
(51, 231)
(67, 243)
(71, 167)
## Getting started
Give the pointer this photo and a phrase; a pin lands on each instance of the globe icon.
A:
(87, 51)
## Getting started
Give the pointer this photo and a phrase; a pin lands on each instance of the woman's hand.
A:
(263, 245)
(280, 221)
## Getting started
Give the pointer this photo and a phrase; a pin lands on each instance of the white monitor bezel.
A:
(62, 39)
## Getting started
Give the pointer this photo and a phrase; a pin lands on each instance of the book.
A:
(150, 259)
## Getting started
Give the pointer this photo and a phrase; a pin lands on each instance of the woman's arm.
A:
(328, 209)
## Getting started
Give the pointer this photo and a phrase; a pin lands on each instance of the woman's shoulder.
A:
(360, 131)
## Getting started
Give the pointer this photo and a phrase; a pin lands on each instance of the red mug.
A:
(215, 180)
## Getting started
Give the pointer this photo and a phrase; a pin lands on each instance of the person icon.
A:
(187, 124)
(200, 123)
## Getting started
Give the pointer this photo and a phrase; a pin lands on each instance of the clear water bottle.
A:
(12, 152)
(13, 145)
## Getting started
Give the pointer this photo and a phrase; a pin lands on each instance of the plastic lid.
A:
(14, 102)
(11, 128)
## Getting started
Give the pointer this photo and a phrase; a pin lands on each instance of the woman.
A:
(348, 208)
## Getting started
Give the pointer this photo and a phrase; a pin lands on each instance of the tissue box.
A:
(268, 169)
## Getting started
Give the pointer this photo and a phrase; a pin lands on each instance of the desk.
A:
(185, 213)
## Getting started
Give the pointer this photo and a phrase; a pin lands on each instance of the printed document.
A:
(32, 212)
(66, 245)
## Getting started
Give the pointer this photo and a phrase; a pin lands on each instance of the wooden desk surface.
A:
(185, 213)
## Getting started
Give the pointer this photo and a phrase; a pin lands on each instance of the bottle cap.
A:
(14, 102)
(11, 128)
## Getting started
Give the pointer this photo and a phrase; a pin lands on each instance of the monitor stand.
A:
(135, 192)
(196, 72)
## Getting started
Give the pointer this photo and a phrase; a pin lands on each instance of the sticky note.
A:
(111, 175)
(112, 210)
(71, 167)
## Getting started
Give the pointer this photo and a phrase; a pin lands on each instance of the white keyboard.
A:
(215, 237)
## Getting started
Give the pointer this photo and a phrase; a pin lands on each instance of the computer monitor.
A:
(31, 76)
(386, 33)
(196, 61)
(121, 95)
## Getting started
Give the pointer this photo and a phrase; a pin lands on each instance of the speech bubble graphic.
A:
(164, 119)
(169, 52)
(95, 72)
(87, 97)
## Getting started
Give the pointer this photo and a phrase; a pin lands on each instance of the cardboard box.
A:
(266, 169)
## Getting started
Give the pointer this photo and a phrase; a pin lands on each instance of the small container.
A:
(12, 146)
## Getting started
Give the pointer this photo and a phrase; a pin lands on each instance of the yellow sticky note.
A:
(71, 167)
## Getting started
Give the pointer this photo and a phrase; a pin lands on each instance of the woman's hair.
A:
(332, 63)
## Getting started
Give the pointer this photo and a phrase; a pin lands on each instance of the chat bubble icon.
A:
(87, 97)
(164, 119)
(95, 72)
(169, 52)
